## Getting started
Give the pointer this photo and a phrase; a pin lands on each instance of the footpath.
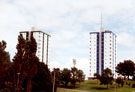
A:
(70, 90)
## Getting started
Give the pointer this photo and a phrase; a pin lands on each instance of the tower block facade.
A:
(102, 51)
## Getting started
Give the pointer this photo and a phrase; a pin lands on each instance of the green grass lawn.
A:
(93, 86)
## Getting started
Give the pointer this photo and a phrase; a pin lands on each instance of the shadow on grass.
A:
(91, 83)
(69, 87)
(99, 88)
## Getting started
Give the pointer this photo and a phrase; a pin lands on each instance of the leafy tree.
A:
(97, 75)
(63, 77)
(74, 75)
(26, 73)
(25, 63)
(4, 64)
(133, 78)
(66, 75)
(107, 77)
(30, 61)
(18, 66)
(42, 80)
(120, 81)
(126, 68)
(81, 76)
(4, 55)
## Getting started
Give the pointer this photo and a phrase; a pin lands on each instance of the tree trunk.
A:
(29, 85)
(66, 84)
(97, 81)
(124, 77)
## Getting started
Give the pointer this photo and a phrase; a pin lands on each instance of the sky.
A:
(69, 23)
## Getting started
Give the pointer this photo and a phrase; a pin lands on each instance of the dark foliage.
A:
(4, 65)
(65, 76)
(133, 86)
(107, 77)
(81, 76)
(120, 81)
(126, 68)
(27, 72)
(42, 81)
(74, 75)
(97, 75)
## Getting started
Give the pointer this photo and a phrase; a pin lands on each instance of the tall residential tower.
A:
(42, 40)
(102, 51)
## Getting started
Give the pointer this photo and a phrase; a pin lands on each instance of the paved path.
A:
(70, 90)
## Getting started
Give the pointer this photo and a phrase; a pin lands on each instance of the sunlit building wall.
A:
(102, 51)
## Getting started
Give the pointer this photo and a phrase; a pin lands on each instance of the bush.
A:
(120, 81)
(133, 86)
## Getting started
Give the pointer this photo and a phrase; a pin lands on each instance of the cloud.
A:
(126, 39)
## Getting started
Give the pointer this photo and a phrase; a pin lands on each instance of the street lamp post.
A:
(54, 81)
(18, 81)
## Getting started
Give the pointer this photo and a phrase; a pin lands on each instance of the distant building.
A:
(102, 51)
(42, 40)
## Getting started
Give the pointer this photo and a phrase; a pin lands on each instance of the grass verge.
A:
(94, 86)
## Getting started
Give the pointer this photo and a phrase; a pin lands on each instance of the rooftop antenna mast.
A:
(101, 19)
(101, 25)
